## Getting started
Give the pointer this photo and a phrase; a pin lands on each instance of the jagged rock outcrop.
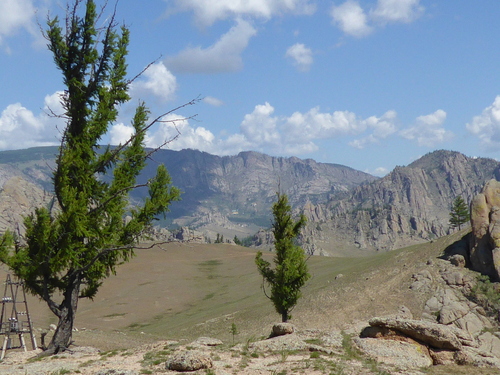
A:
(452, 330)
(409, 205)
(484, 251)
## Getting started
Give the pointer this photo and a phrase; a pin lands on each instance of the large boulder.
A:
(436, 335)
(484, 251)
(189, 360)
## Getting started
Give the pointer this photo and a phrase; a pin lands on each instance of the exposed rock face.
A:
(215, 188)
(453, 329)
(484, 252)
(409, 205)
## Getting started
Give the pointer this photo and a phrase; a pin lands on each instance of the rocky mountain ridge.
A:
(349, 212)
(230, 193)
(409, 205)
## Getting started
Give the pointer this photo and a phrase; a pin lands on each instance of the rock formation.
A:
(452, 330)
(484, 251)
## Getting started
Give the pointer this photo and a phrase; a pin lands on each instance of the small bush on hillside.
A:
(486, 294)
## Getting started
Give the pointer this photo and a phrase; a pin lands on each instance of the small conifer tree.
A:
(459, 214)
(290, 269)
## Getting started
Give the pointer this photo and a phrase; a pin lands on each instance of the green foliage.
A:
(486, 294)
(233, 330)
(219, 239)
(237, 241)
(247, 241)
(290, 270)
(72, 246)
(459, 214)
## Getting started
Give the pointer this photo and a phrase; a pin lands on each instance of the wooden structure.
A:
(15, 319)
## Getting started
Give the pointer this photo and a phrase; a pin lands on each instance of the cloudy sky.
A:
(370, 83)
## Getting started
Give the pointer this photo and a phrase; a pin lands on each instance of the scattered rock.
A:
(422, 281)
(278, 343)
(189, 360)
(280, 329)
(457, 260)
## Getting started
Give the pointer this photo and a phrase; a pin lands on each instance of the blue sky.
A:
(368, 84)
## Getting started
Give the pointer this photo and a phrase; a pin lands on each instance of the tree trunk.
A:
(284, 317)
(67, 311)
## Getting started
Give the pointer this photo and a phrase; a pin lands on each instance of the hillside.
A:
(181, 292)
(409, 205)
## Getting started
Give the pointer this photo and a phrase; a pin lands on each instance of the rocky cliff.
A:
(409, 205)
(220, 193)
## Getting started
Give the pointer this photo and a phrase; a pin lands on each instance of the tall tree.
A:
(70, 248)
(459, 214)
(290, 269)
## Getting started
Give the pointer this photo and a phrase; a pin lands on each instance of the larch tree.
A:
(68, 249)
(459, 214)
(289, 273)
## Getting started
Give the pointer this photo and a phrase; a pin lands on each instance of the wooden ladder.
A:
(13, 321)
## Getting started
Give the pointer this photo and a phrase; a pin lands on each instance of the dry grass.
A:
(184, 291)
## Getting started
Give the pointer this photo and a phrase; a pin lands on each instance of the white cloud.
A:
(260, 130)
(397, 11)
(21, 128)
(381, 127)
(301, 56)
(212, 101)
(16, 15)
(189, 137)
(260, 127)
(208, 11)
(223, 56)
(351, 18)
(379, 172)
(428, 130)
(120, 133)
(156, 80)
(298, 133)
(486, 126)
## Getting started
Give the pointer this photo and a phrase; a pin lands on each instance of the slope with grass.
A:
(181, 292)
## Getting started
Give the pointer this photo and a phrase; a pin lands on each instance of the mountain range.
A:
(349, 211)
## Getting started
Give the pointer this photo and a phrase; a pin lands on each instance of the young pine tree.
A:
(69, 250)
(459, 214)
(290, 269)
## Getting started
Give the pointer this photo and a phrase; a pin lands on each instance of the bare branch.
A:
(119, 149)
(142, 71)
